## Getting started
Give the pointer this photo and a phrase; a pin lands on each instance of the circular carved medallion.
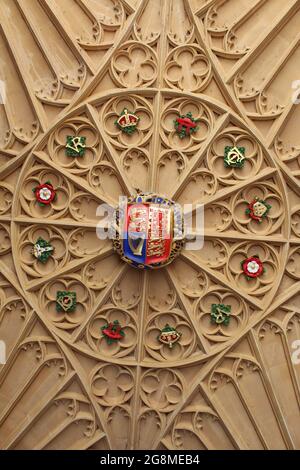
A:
(148, 230)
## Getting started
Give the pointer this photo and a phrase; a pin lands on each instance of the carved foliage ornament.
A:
(234, 156)
(258, 209)
(220, 314)
(252, 267)
(113, 332)
(127, 121)
(44, 193)
(186, 125)
(169, 336)
(42, 250)
(149, 231)
(65, 301)
(75, 146)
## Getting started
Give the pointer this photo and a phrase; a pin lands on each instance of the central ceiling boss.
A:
(148, 230)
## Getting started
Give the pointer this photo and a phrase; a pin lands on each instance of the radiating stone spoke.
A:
(74, 265)
(218, 277)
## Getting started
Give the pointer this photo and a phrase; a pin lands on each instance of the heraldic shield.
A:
(149, 231)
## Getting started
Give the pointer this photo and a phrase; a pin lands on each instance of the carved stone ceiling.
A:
(70, 67)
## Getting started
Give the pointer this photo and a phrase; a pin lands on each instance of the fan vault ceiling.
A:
(70, 67)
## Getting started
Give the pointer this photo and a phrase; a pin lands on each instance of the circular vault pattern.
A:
(219, 261)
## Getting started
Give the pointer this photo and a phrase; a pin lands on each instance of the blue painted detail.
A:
(129, 254)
